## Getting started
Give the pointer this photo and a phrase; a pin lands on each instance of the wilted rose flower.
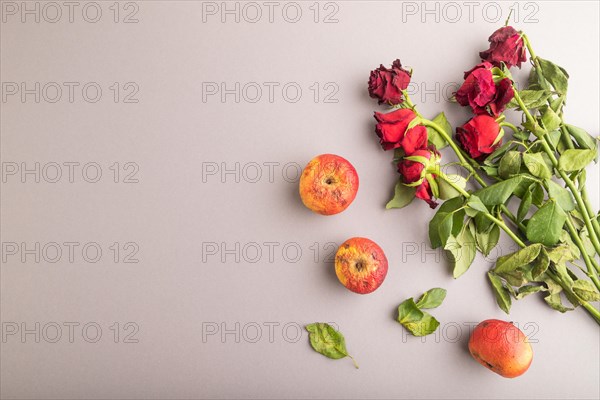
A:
(393, 132)
(417, 169)
(506, 46)
(481, 93)
(424, 193)
(480, 136)
(386, 85)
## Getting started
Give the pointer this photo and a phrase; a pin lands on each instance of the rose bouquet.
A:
(529, 182)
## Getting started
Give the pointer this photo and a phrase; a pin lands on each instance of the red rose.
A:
(393, 132)
(424, 193)
(506, 46)
(480, 136)
(416, 170)
(504, 94)
(387, 84)
(413, 171)
(481, 93)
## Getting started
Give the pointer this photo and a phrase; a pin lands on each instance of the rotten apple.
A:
(328, 184)
(361, 265)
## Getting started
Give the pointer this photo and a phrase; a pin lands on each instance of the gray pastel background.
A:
(210, 265)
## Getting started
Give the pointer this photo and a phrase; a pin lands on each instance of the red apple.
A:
(501, 347)
(361, 265)
(328, 184)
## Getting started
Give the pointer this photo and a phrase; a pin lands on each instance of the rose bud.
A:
(480, 136)
(386, 85)
(418, 170)
(393, 132)
(424, 193)
(481, 93)
(506, 46)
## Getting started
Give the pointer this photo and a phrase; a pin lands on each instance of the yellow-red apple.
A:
(361, 265)
(501, 347)
(328, 184)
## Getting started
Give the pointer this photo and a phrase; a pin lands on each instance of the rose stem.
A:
(569, 144)
(589, 262)
(563, 175)
(595, 313)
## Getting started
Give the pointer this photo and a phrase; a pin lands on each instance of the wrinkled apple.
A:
(328, 184)
(360, 265)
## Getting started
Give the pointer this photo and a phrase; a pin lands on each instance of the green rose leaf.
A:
(555, 302)
(501, 292)
(462, 249)
(576, 159)
(403, 196)
(499, 152)
(546, 224)
(498, 193)
(540, 264)
(527, 290)
(510, 164)
(555, 75)
(535, 81)
(432, 298)
(583, 139)
(514, 278)
(476, 204)
(434, 137)
(451, 224)
(550, 119)
(416, 321)
(409, 312)
(531, 98)
(537, 194)
(447, 191)
(327, 341)
(425, 326)
(554, 137)
(587, 244)
(482, 222)
(586, 290)
(511, 262)
(536, 165)
(486, 241)
(524, 205)
(448, 206)
(561, 195)
(490, 171)
(564, 252)
(557, 103)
